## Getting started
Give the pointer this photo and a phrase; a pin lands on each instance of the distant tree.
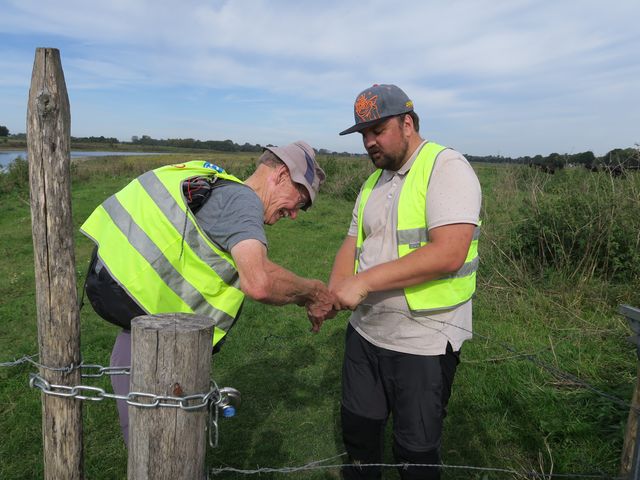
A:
(620, 156)
(100, 139)
(4, 131)
(134, 139)
(586, 159)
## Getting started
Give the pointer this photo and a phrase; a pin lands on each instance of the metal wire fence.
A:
(213, 397)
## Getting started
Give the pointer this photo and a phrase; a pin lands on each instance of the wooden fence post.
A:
(48, 139)
(630, 462)
(170, 355)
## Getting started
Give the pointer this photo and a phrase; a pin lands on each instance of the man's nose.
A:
(369, 139)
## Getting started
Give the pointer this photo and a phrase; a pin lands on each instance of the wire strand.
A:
(377, 310)
(320, 465)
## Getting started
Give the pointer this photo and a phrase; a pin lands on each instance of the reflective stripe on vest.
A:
(152, 246)
(445, 292)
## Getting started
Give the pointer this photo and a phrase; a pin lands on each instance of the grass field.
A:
(506, 412)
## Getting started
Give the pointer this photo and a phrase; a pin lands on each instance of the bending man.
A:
(190, 238)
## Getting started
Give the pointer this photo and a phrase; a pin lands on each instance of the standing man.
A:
(407, 269)
(190, 238)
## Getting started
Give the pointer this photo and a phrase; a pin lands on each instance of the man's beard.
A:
(389, 161)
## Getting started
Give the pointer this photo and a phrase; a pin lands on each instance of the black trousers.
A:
(414, 389)
(107, 297)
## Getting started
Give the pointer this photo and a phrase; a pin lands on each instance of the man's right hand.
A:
(321, 307)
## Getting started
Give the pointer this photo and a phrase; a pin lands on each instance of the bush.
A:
(15, 176)
(345, 176)
(583, 224)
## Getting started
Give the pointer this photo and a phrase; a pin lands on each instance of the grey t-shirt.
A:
(232, 213)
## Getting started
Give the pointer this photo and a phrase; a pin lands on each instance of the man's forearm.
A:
(343, 265)
(286, 287)
(443, 255)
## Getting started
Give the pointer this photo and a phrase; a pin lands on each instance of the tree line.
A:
(146, 140)
(618, 158)
(218, 145)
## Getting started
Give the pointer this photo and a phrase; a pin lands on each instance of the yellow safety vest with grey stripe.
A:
(446, 292)
(152, 246)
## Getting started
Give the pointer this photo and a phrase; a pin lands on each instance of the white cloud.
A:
(484, 64)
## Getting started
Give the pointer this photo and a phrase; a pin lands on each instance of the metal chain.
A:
(137, 399)
(210, 400)
(213, 418)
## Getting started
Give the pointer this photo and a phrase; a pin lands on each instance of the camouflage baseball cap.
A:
(376, 103)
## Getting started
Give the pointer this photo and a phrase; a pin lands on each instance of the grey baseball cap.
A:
(300, 159)
(377, 103)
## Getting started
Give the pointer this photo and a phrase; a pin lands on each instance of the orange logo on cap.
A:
(367, 108)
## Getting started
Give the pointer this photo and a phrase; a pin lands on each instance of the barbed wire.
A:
(83, 392)
(533, 358)
(101, 371)
(29, 359)
(321, 465)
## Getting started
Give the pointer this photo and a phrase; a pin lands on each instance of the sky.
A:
(487, 77)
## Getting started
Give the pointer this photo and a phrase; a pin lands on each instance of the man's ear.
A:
(282, 174)
(407, 123)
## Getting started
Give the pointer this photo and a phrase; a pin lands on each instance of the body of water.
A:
(8, 156)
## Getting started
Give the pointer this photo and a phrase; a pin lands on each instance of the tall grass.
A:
(582, 223)
(15, 176)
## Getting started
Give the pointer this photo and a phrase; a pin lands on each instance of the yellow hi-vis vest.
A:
(445, 292)
(151, 244)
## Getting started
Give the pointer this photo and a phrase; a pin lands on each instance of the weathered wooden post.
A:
(630, 463)
(48, 139)
(170, 355)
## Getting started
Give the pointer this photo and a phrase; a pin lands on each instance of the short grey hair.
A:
(270, 159)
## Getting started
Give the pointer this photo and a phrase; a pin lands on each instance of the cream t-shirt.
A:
(383, 318)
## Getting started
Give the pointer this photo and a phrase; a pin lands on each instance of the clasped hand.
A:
(346, 294)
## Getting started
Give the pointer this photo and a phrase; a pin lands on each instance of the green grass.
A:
(505, 411)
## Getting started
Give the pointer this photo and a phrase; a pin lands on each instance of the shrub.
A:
(345, 176)
(583, 224)
(15, 176)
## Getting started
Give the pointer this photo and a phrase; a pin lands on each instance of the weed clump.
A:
(15, 176)
(582, 224)
(345, 176)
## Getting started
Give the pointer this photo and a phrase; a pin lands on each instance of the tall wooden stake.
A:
(170, 355)
(48, 139)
